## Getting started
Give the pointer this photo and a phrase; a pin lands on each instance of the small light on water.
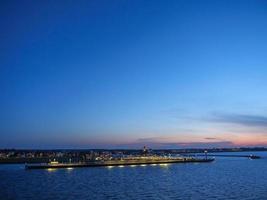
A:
(70, 168)
(51, 169)
(143, 165)
(121, 166)
(164, 164)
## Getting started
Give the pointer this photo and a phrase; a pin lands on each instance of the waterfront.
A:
(127, 162)
(226, 178)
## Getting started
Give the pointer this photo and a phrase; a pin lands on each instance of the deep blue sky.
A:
(85, 74)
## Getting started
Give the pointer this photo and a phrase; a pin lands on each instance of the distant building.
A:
(145, 151)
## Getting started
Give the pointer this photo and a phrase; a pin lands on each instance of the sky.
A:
(123, 74)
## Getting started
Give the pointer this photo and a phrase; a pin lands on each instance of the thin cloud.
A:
(245, 120)
(156, 143)
(211, 138)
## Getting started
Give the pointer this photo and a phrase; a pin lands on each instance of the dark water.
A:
(226, 178)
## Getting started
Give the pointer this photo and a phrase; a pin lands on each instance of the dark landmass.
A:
(15, 156)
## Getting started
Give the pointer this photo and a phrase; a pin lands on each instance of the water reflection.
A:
(227, 178)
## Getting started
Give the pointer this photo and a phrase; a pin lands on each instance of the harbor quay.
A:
(122, 162)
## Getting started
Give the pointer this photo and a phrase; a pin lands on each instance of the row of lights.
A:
(54, 169)
(120, 166)
(143, 165)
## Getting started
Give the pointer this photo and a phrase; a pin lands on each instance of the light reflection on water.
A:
(226, 178)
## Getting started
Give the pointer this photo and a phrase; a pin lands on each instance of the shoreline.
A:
(80, 159)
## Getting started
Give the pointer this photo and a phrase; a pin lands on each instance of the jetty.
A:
(135, 162)
(235, 156)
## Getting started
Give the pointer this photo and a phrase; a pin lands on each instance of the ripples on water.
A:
(226, 178)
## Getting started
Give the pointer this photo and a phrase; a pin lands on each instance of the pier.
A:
(235, 156)
(55, 165)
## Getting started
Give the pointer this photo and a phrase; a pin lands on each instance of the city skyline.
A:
(123, 74)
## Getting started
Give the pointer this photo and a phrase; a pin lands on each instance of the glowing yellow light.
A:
(164, 164)
(153, 164)
(53, 162)
(51, 169)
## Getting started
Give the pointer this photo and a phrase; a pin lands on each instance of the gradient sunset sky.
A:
(123, 73)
